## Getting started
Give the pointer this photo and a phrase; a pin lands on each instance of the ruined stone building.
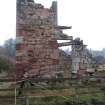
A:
(37, 49)
(37, 33)
(81, 58)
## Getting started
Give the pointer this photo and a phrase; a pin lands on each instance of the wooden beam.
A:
(63, 27)
(65, 44)
(64, 37)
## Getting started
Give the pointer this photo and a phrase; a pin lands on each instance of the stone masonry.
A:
(36, 47)
(81, 58)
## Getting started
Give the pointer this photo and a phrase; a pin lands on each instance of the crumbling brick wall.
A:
(36, 47)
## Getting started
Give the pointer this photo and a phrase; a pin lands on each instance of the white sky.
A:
(7, 19)
(87, 18)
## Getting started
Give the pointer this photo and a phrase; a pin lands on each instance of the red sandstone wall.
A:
(36, 48)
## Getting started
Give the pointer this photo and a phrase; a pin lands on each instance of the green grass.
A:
(80, 100)
(94, 95)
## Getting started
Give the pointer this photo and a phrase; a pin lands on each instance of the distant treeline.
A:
(99, 56)
(7, 56)
(8, 49)
(98, 53)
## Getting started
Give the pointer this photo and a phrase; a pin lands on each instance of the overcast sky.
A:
(87, 18)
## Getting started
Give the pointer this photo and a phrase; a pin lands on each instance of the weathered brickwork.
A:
(36, 47)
